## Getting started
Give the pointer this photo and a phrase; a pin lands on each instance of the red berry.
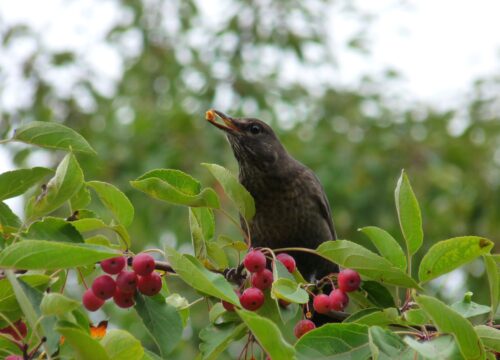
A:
(126, 281)
(14, 357)
(90, 301)
(263, 279)
(302, 327)
(322, 304)
(227, 305)
(287, 260)
(22, 330)
(255, 261)
(252, 299)
(113, 266)
(104, 287)
(150, 284)
(348, 280)
(338, 300)
(143, 264)
(123, 300)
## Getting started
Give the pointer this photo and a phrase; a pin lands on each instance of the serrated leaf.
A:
(197, 276)
(378, 294)
(215, 339)
(84, 345)
(57, 304)
(176, 187)
(268, 335)
(353, 256)
(53, 229)
(493, 271)
(66, 182)
(449, 321)
(17, 182)
(489, 336)
(162, 321)
(385, 345)
(410, 218)
(332, 341)
(386, 245)
(443, 347)
(115, 201)
(234, 190)
(9, 222)
(52, 135)
(50, 255)
(119, 344)
(290, 291)
(447, 255)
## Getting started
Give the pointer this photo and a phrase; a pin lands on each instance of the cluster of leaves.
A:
(38, 254)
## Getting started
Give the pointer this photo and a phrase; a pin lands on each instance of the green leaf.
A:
(489, 336)
(386, 345)
(162, 321)
(409, 215)
(268, 335)
(202, 225)
(7, 347)
(81, 198)
(290, 291)
(115, 201)
(467, 308)
(443, 347)
(29, 300)
(89, 224)
(335, 341)
(52, 135)
(9, 221)
(416, 317)
(227, 242)
(57, 304)
(386, 245)
(234, 190)
(493, 271)
(65, 183)
(217, 256)
(120, 344)
(351, 255)
(448, 255)
(378, 294)
(176, 187)
(215, 339)
(373, 316)
(197, 276)
(8, 300)
(84, 345)
(449, 321)
(182, 306)
(50, 255)
(53, 229)
(17, 182)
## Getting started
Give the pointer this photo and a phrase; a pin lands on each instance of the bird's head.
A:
(254, 143)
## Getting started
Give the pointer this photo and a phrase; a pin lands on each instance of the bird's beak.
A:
(229, 125)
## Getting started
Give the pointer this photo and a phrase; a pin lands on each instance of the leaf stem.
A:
(310, 251)
(5, 141)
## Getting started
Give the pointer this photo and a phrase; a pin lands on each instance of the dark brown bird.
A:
(292, 209)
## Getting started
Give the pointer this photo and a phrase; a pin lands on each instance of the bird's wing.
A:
(323, 204)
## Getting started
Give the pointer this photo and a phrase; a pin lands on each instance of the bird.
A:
(291, 207)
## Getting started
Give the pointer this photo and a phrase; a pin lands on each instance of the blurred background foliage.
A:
(271, 60)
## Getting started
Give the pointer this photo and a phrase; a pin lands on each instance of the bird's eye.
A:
(255, 129)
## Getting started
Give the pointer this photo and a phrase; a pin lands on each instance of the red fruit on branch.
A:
(263, 279)
(123, 300)
(150, 284)
(338, 300)
(113, 266)
(126, 281)
(255, 261)
(90, 301)
(287, 260)
(302, 327)
(322, 304)
(252, 299)
(143, 264)
(104, 287)
(349, 280)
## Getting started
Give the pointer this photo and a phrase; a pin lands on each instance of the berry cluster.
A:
(261, 279)
(122, 289)
(348, 280)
